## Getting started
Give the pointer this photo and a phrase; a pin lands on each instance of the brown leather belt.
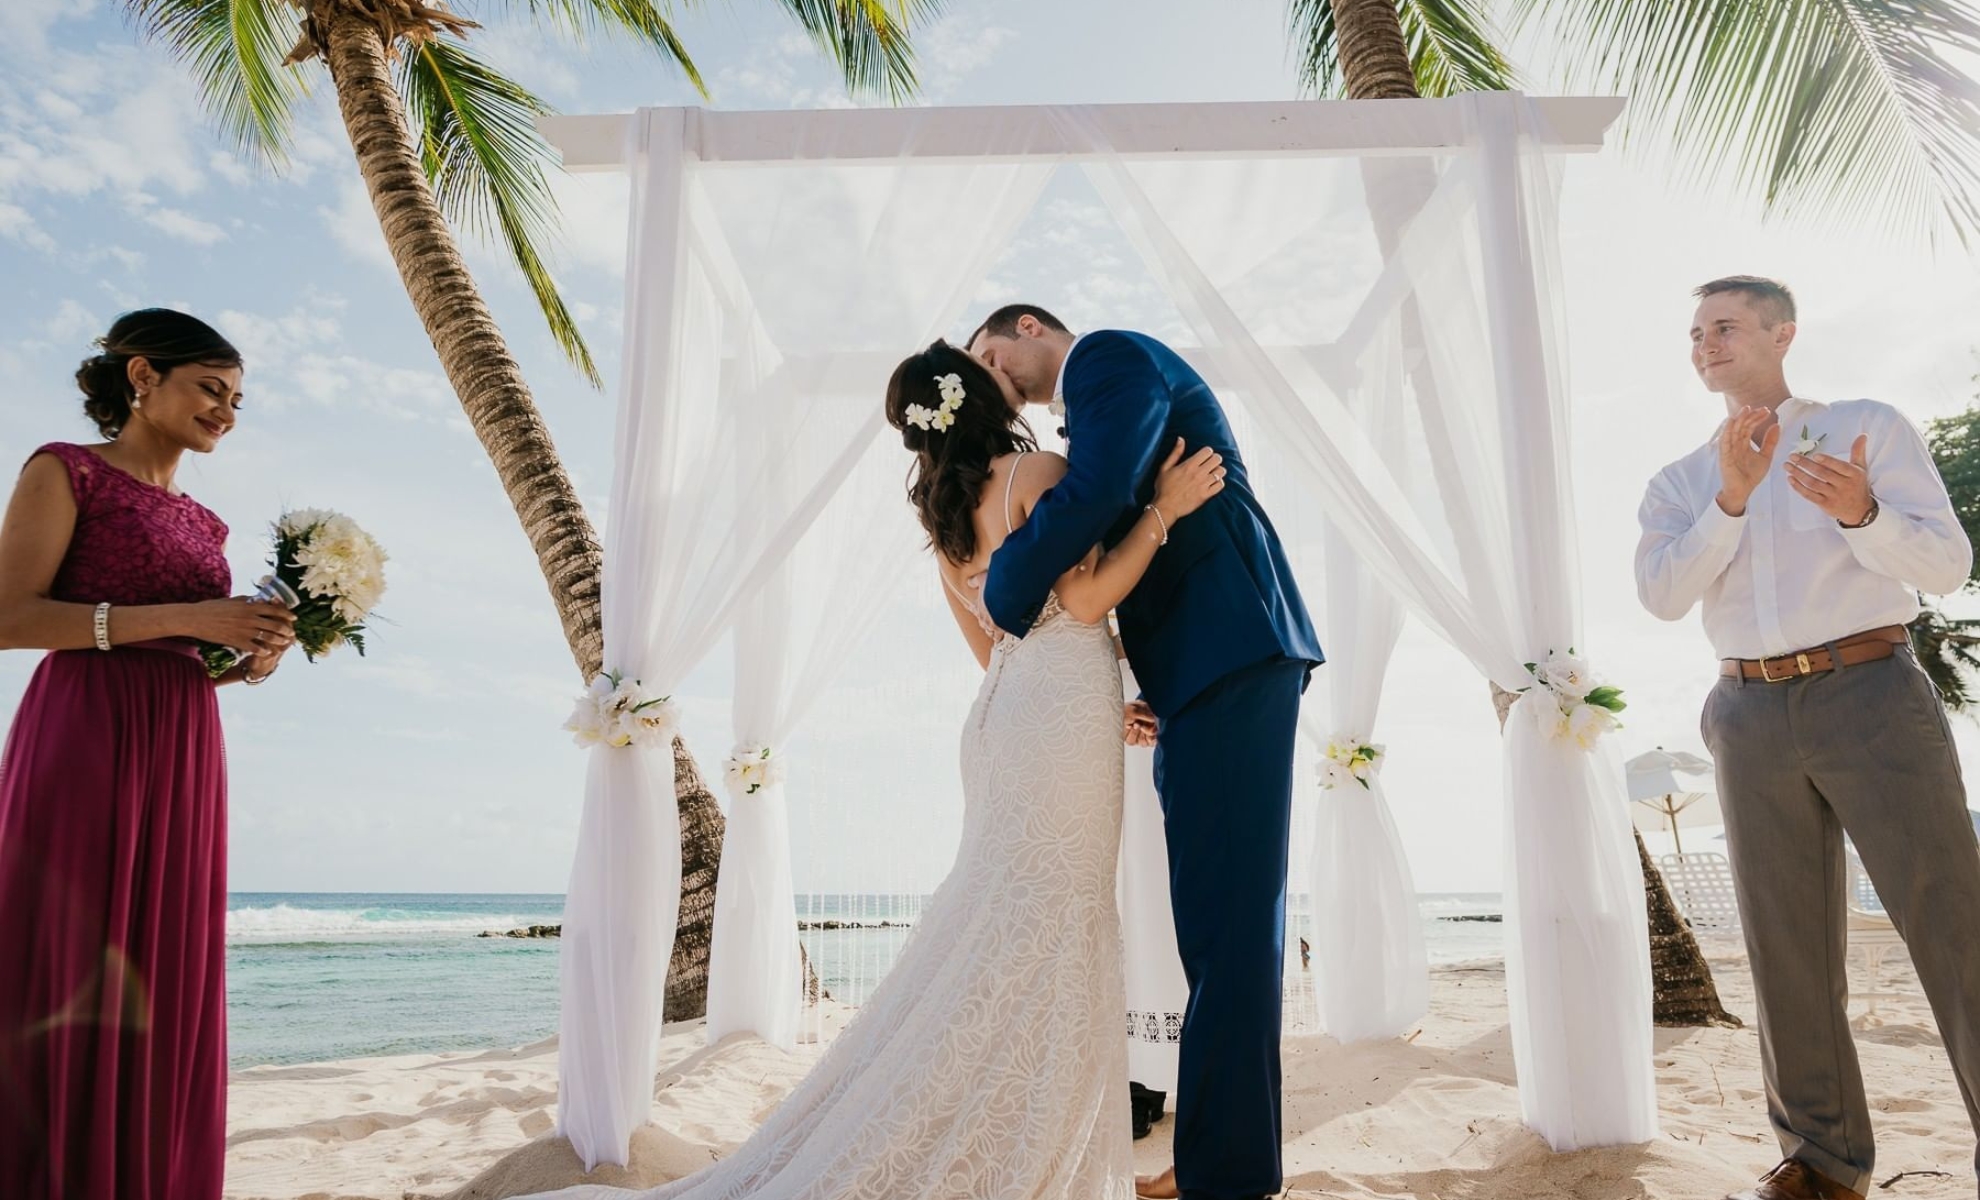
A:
(1868, 646)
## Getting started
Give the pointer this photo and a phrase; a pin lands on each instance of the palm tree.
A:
(441, 136)
(1948, 648)
(1836, 109)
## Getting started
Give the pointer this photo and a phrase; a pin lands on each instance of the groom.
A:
(1222, 648)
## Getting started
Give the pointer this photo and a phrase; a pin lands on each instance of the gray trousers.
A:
(1866, 751)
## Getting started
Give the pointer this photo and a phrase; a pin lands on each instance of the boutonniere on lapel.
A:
(1805, 445)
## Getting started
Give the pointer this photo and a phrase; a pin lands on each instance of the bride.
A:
(990, 1064)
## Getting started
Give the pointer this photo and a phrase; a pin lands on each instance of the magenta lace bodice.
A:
(135, 542)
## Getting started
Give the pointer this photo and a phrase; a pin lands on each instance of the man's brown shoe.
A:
(1163, 1186)
(1796, 1180)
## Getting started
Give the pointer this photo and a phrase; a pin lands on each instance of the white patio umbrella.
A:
(1670, 788)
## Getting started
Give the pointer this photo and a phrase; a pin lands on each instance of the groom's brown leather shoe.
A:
(1161, 1187)
(1795, 1180)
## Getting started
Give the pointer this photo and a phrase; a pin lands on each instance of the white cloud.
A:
(24, 24)
(958, 45)
(183, 225)
(17, 223)
(354, 224)
(72, 324)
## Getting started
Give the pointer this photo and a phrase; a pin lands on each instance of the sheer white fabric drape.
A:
(791, 640)
(1478, 261)
(766, 304)
(763, 308)
(1371, 974)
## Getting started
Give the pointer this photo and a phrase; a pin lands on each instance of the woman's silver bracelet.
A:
(103, 627)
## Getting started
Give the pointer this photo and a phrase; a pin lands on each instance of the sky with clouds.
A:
(437, 764)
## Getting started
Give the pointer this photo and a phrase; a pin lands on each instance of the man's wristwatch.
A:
(1868, 517)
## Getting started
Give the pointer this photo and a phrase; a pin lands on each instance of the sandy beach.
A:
(1433, 1115)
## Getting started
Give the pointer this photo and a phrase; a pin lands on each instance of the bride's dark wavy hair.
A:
(951, 465)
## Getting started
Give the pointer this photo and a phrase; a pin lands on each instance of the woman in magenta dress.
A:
(113, 785)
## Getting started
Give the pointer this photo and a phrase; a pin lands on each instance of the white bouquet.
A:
(615, 711)
(329, 572)
(1567, 702)
(753, 768)
(1350, 760)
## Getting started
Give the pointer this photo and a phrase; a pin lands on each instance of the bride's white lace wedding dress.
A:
(989, 1064)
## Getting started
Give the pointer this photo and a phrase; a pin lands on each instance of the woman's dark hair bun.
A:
(163, 337)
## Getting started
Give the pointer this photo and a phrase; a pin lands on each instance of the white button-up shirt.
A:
(1784, 576)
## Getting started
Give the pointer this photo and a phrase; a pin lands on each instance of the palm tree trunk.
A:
(1374, 56)
(498, 404)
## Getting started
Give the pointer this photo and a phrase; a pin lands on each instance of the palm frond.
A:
(1451, 47)
(1955, 446)
(1948, 652)
(867, 39)
(476, 133)
(642, 20)
(234, 49)
(1839, 110)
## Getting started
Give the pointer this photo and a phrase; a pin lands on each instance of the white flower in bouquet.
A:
(615, 711)
(1350, 760)
(1569, 702)
(1567, 675)
(1544, 707)
(1588, 722)
(752, 768)
(1335, 774)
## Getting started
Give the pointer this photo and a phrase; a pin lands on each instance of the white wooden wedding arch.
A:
(1373, 284)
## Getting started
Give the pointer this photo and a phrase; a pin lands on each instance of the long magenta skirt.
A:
(113, 911)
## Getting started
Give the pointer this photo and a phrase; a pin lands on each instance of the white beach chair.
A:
(1701, 885)
(1870, 930)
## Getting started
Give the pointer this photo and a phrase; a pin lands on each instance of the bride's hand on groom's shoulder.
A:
(1182, 487)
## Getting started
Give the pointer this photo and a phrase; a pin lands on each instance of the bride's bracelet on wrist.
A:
(101, 627)
(1160, 520)
(250, 678)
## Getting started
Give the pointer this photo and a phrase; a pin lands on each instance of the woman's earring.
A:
(137, 401)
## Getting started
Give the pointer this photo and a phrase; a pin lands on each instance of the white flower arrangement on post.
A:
(1567, 702)
(750, 769)
(615, 711)
(1350, 760)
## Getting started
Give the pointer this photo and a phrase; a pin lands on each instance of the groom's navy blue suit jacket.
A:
(1220, 596)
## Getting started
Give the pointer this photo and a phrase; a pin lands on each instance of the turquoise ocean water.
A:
(317, 976)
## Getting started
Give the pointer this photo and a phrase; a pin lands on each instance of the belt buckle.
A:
(1801, 664)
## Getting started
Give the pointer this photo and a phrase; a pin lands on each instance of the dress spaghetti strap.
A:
(1010, 482)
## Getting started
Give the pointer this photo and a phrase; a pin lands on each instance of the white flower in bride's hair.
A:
(1057, 407)
(919, 417)
(943, 419)
(951, 388)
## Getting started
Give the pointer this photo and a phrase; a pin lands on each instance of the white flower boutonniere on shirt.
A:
(1808, 445)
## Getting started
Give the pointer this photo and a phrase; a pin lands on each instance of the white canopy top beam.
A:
(1033, 132)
